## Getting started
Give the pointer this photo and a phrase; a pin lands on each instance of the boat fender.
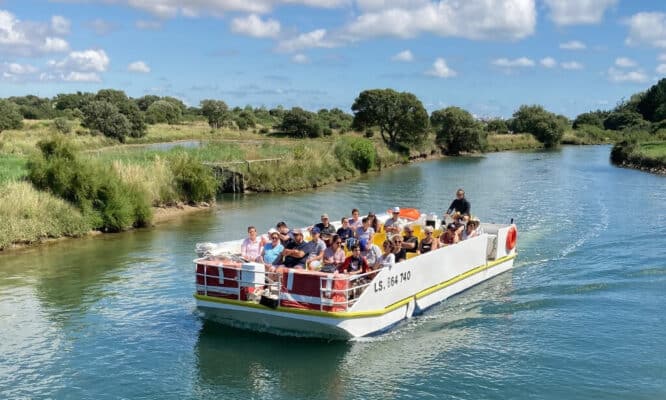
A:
(511, 237)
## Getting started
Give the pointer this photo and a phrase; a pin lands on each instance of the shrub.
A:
(356, 152)
(107, 203)
(459, 131)
(194, 181)
(62, 125)
(369, 133)
(163, 111)
(264, 130)
(105, 117)
(10, 116)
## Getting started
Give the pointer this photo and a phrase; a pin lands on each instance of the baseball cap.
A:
(324, 216)
(396, 209)
(315, 230)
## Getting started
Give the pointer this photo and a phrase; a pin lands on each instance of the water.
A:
(581, 317)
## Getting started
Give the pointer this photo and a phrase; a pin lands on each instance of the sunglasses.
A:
(428, 233)
(274, 238)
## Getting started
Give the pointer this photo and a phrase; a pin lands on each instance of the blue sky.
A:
(487, 56)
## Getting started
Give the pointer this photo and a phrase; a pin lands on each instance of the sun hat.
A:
(429, 229)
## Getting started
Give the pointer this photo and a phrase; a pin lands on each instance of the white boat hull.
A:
(359, 321)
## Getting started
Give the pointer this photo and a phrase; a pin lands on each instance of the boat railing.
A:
(346, 296)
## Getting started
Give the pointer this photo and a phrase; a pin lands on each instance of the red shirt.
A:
(353, 264)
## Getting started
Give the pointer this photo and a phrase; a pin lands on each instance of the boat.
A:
(340, 306)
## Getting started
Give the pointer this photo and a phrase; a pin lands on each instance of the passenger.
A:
(471, 230)
(325, 226)
(451, 235)
(429, 243)
(355, 221)
(296, 251)
(355, 263)
(334, 256)
(316, 250)
(270, 253)
(251, 246)
(345, 232)
(285, 233)
(387, 259)
(399, 252)
(365, 231)
(461, 205)
(393, 225)
(410, 242)
(371, 252)
(374, 222)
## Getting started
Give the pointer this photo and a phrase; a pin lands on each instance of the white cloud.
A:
(29, 38)
(661, 69)
(647, 28)
(314, 39)
(101, 27)
(623, 76)
(83, 61)
(624, 62)
(440, 69)
(139, 67)
(578, 12)
(522, 62)
(148, 25)
(173, 8)
(661, 57)
(573, 45)
(548, 62)
(20, 69)
(253, 26)
(403, 56)
(571, 65)
(60, 25)
(488, 19)
(300, 58)
(76, 76)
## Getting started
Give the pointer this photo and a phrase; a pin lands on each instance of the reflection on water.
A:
(580, 317)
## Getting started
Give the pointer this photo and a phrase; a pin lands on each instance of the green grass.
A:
(12, 168)
(521, 141)
(655, 150)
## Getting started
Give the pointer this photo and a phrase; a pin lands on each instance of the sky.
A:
(487, 56)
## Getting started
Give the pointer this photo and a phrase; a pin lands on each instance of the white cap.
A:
(396, 209)
(272, 230)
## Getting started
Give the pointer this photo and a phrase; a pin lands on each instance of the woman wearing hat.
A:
(429, 243)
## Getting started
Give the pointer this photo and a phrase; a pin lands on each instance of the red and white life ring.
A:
(511, 237)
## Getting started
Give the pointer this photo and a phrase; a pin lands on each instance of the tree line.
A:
(399, 117)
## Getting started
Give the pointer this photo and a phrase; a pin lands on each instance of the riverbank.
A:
(644, 156)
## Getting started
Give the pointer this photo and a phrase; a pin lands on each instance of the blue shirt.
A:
(271, 253)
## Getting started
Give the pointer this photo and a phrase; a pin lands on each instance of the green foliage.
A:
(145, 101)
(653, 104)
(72, 101)
(498, 126)
(62, 125)
(593, 118)
(215, 111)
(336, 119)
(105, 117)
(194, 181)
(163, 111)
(107, 203)
(245, 119)
(546, 127)
(459, 131)
(625, 119)
(356, 152)
(126, 107)
(10, 116)
(401, 117)
(300, 123)
(33, 107)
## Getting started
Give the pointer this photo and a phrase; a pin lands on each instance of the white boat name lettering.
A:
(391, 281)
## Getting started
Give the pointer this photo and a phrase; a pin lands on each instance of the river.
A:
(582, 315)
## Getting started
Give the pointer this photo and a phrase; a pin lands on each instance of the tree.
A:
(145, 101)
(33, 107)
(300, 123)
(72, 101)
(593, 118)
(127, 107)
(245, 119)
(216, 111)
(619, 120)
(546, 127)
(163, 111)
(105, 117)
(401, 117)
(653, 104)
(498, 126)
(10, 116)
(459, 131)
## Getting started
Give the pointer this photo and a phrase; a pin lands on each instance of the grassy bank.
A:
(521, 141)
(645, 156)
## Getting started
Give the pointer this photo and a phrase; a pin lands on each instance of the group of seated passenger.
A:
(287, 248)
